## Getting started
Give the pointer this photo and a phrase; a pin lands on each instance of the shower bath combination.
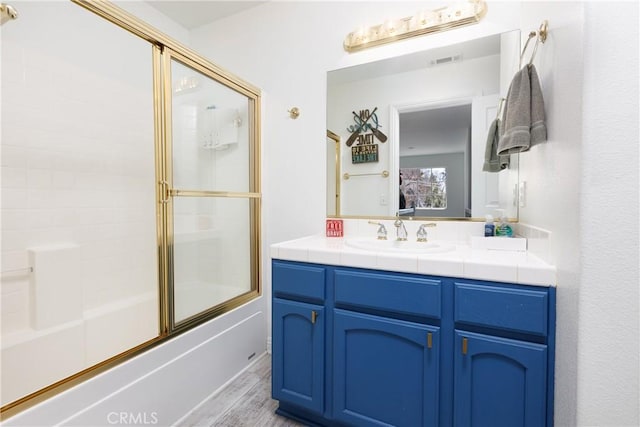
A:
(129, 214)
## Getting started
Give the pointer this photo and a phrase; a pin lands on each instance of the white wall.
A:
(552, 175)
(609, 329)
(585, 227)
(285, 48)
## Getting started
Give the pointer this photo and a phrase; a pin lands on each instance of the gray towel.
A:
(493, 162)
(524, 113)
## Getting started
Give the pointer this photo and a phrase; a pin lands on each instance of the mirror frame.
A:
(336, 139)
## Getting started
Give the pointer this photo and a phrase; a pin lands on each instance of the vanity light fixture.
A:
(425, 22)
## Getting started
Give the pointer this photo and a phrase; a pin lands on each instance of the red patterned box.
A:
(334, 228)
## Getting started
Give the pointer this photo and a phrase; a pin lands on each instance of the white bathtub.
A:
(34, 359)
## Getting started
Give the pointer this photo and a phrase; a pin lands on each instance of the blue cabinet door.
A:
(385, 371)
(499, 382)
(298, 354)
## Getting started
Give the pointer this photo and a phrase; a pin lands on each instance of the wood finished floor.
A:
(245, 402)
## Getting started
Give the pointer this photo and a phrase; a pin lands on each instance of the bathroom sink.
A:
(407, 246)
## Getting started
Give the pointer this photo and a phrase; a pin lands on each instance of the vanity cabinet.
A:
(400, 349)
(499, 382)
(386, 348)
(298, 362)
(385, 371)
(502, 370)
(298, 348)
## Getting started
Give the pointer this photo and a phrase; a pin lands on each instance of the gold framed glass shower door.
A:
(90, 163)
(210, 192)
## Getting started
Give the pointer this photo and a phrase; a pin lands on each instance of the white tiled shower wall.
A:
(77, 159)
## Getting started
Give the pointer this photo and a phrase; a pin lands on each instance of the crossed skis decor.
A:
(365, 150)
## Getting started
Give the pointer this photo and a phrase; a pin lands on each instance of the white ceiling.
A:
(434, 131)
(192, 14)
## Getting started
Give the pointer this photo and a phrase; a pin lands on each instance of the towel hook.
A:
(294, 112)
(7, 13)
(542, 31)
(542, 37)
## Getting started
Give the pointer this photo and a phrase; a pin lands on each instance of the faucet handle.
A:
(422, 232)
(382, 230)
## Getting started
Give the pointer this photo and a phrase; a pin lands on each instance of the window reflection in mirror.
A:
(435, 107)
(422, 189)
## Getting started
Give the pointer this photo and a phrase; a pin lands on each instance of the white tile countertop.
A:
(461, 262)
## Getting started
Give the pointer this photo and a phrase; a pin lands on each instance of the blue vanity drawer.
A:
(520, 310)
(298, 280)
(388, 292)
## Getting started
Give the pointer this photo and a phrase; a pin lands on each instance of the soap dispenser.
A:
(489, 227)
(504, 229)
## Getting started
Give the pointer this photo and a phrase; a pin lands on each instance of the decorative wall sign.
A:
(362, 126)
(365, 150)
(366, 153)
(335, 228)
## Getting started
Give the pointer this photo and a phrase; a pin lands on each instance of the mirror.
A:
(420, 125)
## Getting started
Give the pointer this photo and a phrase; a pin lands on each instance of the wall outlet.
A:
(383, 200)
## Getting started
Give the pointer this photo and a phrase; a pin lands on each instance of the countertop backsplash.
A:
(538, 240)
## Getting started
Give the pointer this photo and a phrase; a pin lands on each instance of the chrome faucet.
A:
(382, 230)
(401, 230)
(422, 232)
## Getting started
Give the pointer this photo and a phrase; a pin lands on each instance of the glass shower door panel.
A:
(78, 232)
(211, 253)
(210, 133)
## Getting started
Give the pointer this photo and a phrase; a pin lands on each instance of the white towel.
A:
(524, 123)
